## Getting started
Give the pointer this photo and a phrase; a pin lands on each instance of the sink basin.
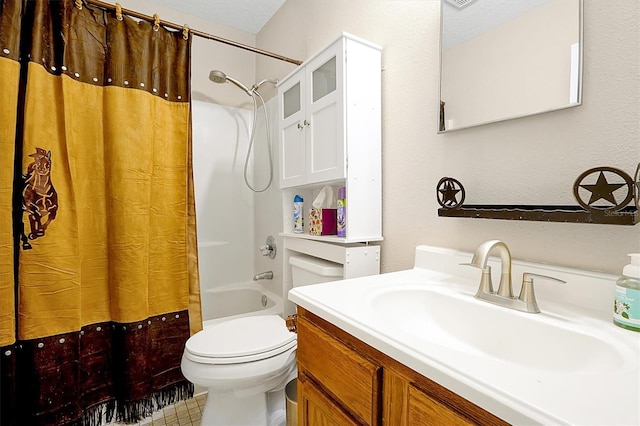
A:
(457, 320)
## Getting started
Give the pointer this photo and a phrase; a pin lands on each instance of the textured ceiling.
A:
(245, 15)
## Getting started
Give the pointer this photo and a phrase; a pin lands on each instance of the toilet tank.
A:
(312, 270)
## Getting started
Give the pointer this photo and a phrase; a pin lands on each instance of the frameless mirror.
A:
(504, 59)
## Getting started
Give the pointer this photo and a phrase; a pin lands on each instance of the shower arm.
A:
(218, 76)
(257, 85)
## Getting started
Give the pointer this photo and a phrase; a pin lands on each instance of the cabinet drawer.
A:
(351, 379)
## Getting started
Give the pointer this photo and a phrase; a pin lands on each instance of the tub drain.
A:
(264, 300)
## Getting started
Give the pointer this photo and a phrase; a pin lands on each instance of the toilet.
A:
(245, 363)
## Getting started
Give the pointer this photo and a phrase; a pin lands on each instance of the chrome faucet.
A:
(526, 301)
(479, 260)
(263, 276)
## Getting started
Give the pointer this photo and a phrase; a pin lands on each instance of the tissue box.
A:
(323, 222)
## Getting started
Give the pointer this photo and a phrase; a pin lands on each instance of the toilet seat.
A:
(240, 340)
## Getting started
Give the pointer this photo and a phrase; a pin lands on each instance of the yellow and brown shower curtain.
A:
(98, 268)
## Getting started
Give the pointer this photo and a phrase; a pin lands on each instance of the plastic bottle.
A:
(341, 204)
(626, 306)
(297, 214)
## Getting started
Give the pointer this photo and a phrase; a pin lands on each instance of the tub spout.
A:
(263, 276)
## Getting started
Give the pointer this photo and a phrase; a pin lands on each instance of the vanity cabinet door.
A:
(349, 378)
(315, 408)
(411, 399)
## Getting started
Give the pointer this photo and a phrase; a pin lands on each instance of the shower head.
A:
(218, 76)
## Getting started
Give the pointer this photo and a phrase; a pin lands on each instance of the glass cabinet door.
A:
(291, 101)
(324, 79)
(325, 140)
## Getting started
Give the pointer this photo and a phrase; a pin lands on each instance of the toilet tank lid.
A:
(317, 266)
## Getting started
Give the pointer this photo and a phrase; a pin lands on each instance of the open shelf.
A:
(575, 214)
(331, 238)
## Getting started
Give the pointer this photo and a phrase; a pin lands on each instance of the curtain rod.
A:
(194, 32)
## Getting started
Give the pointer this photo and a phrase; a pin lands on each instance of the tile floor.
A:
(183, 413)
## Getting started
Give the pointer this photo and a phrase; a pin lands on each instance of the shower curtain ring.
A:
(79, 4)
(118, 11)
(185, 32)
(156, 22)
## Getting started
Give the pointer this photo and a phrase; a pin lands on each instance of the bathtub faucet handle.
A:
(265, 250)
(269, 249)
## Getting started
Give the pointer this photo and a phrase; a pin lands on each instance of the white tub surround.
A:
(566, 365)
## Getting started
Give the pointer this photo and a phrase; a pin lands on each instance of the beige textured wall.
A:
(533, 160)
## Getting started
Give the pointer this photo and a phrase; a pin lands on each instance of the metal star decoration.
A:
(603, 189)
(448, 190)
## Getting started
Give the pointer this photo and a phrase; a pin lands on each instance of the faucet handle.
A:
(269, 248)
(527, 295)
(486, 286)
(265, 249)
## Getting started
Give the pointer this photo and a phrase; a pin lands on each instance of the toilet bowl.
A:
(244, 363)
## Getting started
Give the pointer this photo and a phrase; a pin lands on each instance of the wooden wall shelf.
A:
(574, 214)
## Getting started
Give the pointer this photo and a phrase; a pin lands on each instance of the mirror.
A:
(504, 59)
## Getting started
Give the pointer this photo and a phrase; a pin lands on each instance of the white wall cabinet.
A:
(330, 134)
(312, 123)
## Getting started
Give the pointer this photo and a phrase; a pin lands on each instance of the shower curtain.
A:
(98, 267)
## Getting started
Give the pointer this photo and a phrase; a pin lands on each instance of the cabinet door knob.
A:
(306, 123)
(300, 126)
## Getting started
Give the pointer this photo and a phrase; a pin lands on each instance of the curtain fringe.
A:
(95, 416)
(134, 411)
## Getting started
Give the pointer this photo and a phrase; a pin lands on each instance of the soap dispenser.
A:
(626, 306)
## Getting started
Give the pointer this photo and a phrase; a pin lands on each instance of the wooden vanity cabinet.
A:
(343, 381)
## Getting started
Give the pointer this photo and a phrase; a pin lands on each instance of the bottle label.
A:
(626, 307)
(341, 217)
(297, 218)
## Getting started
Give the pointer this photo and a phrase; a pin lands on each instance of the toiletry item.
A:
(322, 222)
(297, 214)
(626, 306)
(341, 204)
(322, 216)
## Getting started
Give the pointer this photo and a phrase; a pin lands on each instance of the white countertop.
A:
(580, 393)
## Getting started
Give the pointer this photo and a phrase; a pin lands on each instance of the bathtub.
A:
(238, 300)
